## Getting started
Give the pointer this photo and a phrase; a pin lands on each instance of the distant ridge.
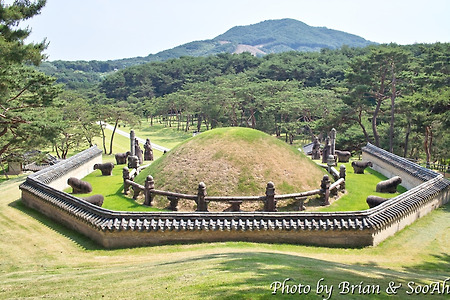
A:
(271, 36)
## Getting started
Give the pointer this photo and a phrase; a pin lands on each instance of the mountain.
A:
(271, 36)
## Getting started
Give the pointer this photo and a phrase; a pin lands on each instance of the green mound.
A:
(233, 161)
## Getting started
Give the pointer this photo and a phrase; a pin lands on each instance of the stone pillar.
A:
(333, 142)
(271, 203)
(132, 142)
(149, 186)
(202, 205)
(342, 174)
(325, 189)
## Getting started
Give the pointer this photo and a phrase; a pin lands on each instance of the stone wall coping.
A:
(57, 170)
(398, 162)
(115, 221)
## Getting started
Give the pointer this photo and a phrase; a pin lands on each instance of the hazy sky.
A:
(111, 29)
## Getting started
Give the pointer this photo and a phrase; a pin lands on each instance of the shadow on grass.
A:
(441, 264)
(250, 276)
(78, 238)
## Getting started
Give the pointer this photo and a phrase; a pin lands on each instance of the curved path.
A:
(141, 140)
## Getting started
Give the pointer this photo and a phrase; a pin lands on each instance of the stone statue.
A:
(148, 151)
(95, 199)
(360, 166)
(343, 156)
(138, 151)
(133, 162)
(373, 201)
(106, 168)
(315, 154)
(326, 151)
(79, 186)
(121, 158)
(389, 186)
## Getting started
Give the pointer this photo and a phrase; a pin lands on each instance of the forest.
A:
(396, 97)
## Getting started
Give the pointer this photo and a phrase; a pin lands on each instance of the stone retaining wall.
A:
(113, 229)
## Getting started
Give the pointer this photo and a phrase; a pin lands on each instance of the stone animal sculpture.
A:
(121, 158)
(79, 186)
(106, 168)
(95, 199)
(343, 156)
(359, 166)
(389, 186)
(373, 201)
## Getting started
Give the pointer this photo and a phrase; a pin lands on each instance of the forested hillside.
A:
(273, 36)
(393, 96)
(396, 97)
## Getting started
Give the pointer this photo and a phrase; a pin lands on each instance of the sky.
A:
(114, 29)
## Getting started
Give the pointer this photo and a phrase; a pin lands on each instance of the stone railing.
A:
(201, 199)
(128, 229)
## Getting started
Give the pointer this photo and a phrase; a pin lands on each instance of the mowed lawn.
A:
(42, 259)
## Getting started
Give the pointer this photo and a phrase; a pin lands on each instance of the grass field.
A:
(42, 259)
(39, 258)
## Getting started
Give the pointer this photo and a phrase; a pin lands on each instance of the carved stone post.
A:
(342, 174)
(136, 191)
(149, 186)
(325, 189)
(173, 203)
(301, 205)
(202, 205)
(271, 203)
(235, 205)
(330, 162)
(125, 176)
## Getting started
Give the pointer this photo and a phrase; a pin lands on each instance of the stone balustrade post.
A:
(173, 203)
(149, 186)
(270, 203)
(202, 205)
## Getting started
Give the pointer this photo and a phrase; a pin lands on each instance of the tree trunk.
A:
(408, 131)
(199, 122)
(393, 96)
(380, 97)
(103, 137)
(374, 123)
(427, 143)
(359, 120)
(112, 137)
(187, 123)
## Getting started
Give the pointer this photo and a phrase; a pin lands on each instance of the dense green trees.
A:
(24, 92)
(396, 97)
(375, 94)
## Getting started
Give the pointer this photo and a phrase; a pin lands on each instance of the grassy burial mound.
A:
(233, 162)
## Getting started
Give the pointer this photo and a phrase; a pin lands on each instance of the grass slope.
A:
(358, 187)
(42, 259)
(234, 161)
